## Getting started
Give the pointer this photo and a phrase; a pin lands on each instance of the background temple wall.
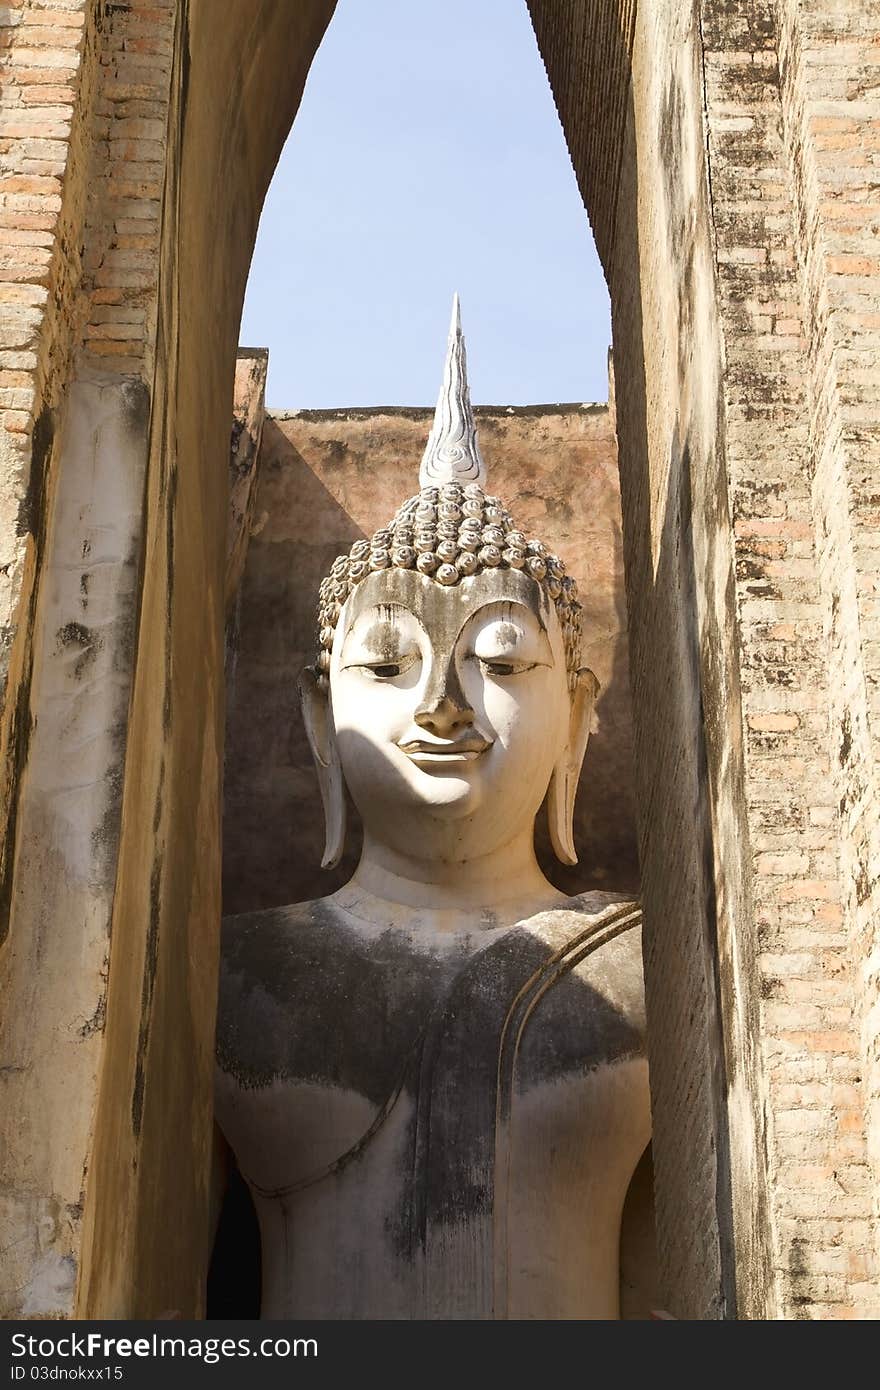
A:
(325, 478)
(727, 154)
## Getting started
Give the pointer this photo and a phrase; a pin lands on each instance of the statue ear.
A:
(564, 782)
(318, 719)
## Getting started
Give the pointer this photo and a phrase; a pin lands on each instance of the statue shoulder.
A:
(599, 902)
(603, 914)
(250, 937)
(599, 936)
(285, 976)
(282, 962)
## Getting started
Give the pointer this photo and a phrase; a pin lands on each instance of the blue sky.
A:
(427, 156)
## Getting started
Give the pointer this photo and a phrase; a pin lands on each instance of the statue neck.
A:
(507, 883)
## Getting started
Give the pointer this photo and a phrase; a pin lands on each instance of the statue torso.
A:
(435, 1124)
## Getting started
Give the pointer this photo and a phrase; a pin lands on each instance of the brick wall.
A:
(125, 207)
(807, 975)
(829, 58)
(41, 57)
(83, 110)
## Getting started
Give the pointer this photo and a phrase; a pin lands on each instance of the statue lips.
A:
(436, 755)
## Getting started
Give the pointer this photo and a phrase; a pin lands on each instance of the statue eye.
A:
(388, 670)
(505, 648)
(509, 667)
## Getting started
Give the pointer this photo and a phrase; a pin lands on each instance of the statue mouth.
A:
(429, 753)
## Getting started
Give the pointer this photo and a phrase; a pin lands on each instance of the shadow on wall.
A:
(273, 836)
(328, 478)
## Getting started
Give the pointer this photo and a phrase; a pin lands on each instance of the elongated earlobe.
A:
(318, 720)
(564, 782)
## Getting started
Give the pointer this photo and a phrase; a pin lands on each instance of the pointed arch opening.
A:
(628, 88)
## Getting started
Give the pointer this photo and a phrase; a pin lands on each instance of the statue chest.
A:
(371, 1083)
(320, 1005)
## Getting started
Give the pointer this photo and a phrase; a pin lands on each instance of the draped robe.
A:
(435, 1127)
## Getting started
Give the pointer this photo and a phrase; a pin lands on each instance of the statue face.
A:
(450, 706)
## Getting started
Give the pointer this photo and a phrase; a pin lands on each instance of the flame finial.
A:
(452, 454)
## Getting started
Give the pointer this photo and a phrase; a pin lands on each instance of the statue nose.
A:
(444, 711)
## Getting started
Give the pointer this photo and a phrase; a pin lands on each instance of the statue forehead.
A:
(441, 609)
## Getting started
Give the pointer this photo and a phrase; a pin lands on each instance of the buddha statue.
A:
(434, 1081)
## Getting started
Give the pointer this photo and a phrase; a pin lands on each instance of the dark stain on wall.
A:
(151, 965)
(31, 521)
